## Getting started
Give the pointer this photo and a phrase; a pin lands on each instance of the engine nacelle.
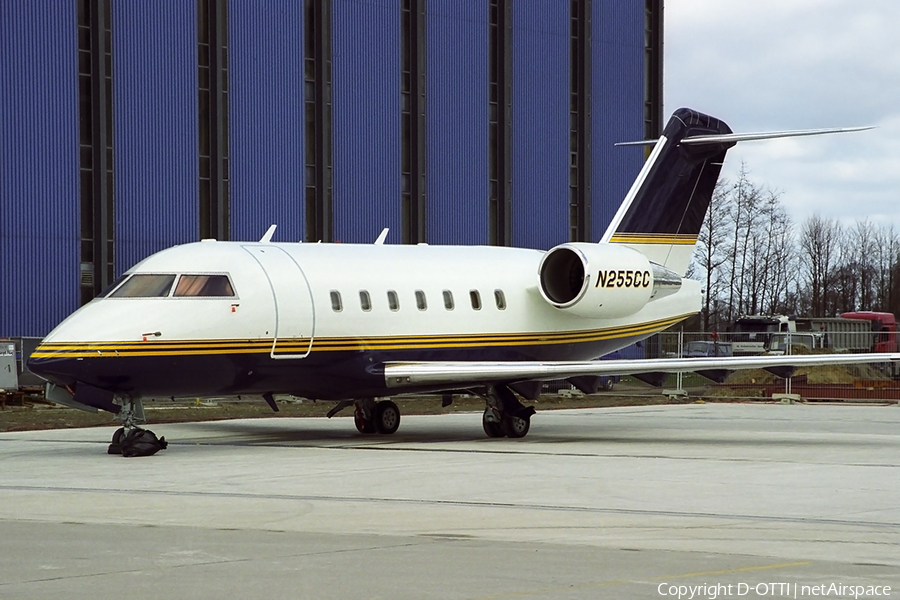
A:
(602, 281)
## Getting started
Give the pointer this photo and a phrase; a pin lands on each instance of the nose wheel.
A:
(131, 440)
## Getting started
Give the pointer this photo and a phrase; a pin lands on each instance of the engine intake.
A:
(602, 281)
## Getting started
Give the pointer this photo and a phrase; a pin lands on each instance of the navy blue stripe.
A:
(324, 375)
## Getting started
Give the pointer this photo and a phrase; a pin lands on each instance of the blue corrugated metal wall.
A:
(457, 117)
(618, 105)
(155, 129)
(155, 141)
(266, 118)
(366, 109)
(39, 208)
(540, 108)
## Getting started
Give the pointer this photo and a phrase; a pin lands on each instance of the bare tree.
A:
(819, 247)
(710, 255)
(780, 256)
(749, 254)
(842, 294)
(863, 240)
(744, 201)
(886, 250)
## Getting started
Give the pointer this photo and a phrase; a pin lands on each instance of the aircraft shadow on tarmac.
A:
(426, 434)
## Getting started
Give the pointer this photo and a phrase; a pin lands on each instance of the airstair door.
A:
(294, 312)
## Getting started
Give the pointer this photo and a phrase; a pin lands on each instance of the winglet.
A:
(267, 237)
(381, 237)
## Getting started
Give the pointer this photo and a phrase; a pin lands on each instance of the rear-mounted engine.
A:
(602, 281)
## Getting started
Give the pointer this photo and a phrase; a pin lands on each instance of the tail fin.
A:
(663, 211)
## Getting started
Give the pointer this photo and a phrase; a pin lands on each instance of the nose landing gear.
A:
(131, 440)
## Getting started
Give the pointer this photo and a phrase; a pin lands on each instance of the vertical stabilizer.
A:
(662, 214)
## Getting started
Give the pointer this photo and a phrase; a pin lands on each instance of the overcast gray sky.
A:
(798, 64)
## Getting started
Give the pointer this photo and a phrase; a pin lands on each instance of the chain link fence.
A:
(875, 382)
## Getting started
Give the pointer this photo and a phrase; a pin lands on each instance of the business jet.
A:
(356, 323)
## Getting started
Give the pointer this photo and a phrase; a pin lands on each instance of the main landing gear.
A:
(504, 415)
(376, 417)
(130, 440)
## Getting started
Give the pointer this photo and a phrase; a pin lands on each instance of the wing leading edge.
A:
(400, 375)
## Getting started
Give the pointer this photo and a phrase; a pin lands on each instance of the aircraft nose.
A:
(47, 363)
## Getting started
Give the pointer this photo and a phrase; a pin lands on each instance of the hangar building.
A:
(127, 127)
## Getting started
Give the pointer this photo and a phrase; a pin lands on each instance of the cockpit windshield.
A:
(106, 292)
(145, 286)
(204, 285)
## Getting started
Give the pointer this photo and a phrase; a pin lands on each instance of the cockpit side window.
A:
(204, 285)
(112, 286)
(145, 286)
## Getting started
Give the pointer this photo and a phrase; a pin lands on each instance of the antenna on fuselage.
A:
(381, 237)
(267, 237)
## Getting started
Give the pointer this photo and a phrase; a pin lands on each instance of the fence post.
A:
(787, 380)
(787, 397)
(679, 391)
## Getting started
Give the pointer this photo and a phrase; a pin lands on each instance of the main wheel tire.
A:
(515, 427)
(362, 425)
(609, 384)
(115, 447)
(387, 417)
(492, 428)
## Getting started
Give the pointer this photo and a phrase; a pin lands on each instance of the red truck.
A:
(884, 326)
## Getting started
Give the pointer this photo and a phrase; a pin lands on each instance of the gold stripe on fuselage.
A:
(654, 238)
(295, 345)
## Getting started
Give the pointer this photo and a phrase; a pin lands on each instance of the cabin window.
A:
(448, 299)
(365, 301)
(204, 285)
(421, 304)
(500, 299)
(145, 286)
(336, 304)
(475, 297)
(393, 300)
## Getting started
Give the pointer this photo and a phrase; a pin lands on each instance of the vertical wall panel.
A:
(155, 129)
(618, 61)
(366, 105)
(155, 106)
(38, 166)
(457, 113)
(265, 69)
(540, 123)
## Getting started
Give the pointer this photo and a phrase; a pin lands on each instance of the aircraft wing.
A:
(459, 374)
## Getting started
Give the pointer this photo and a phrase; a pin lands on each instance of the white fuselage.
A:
(307, 308)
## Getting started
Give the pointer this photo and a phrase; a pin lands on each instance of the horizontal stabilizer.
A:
(662, 215)
(749, 137)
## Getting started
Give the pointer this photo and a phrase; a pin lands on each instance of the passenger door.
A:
(294, 312)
